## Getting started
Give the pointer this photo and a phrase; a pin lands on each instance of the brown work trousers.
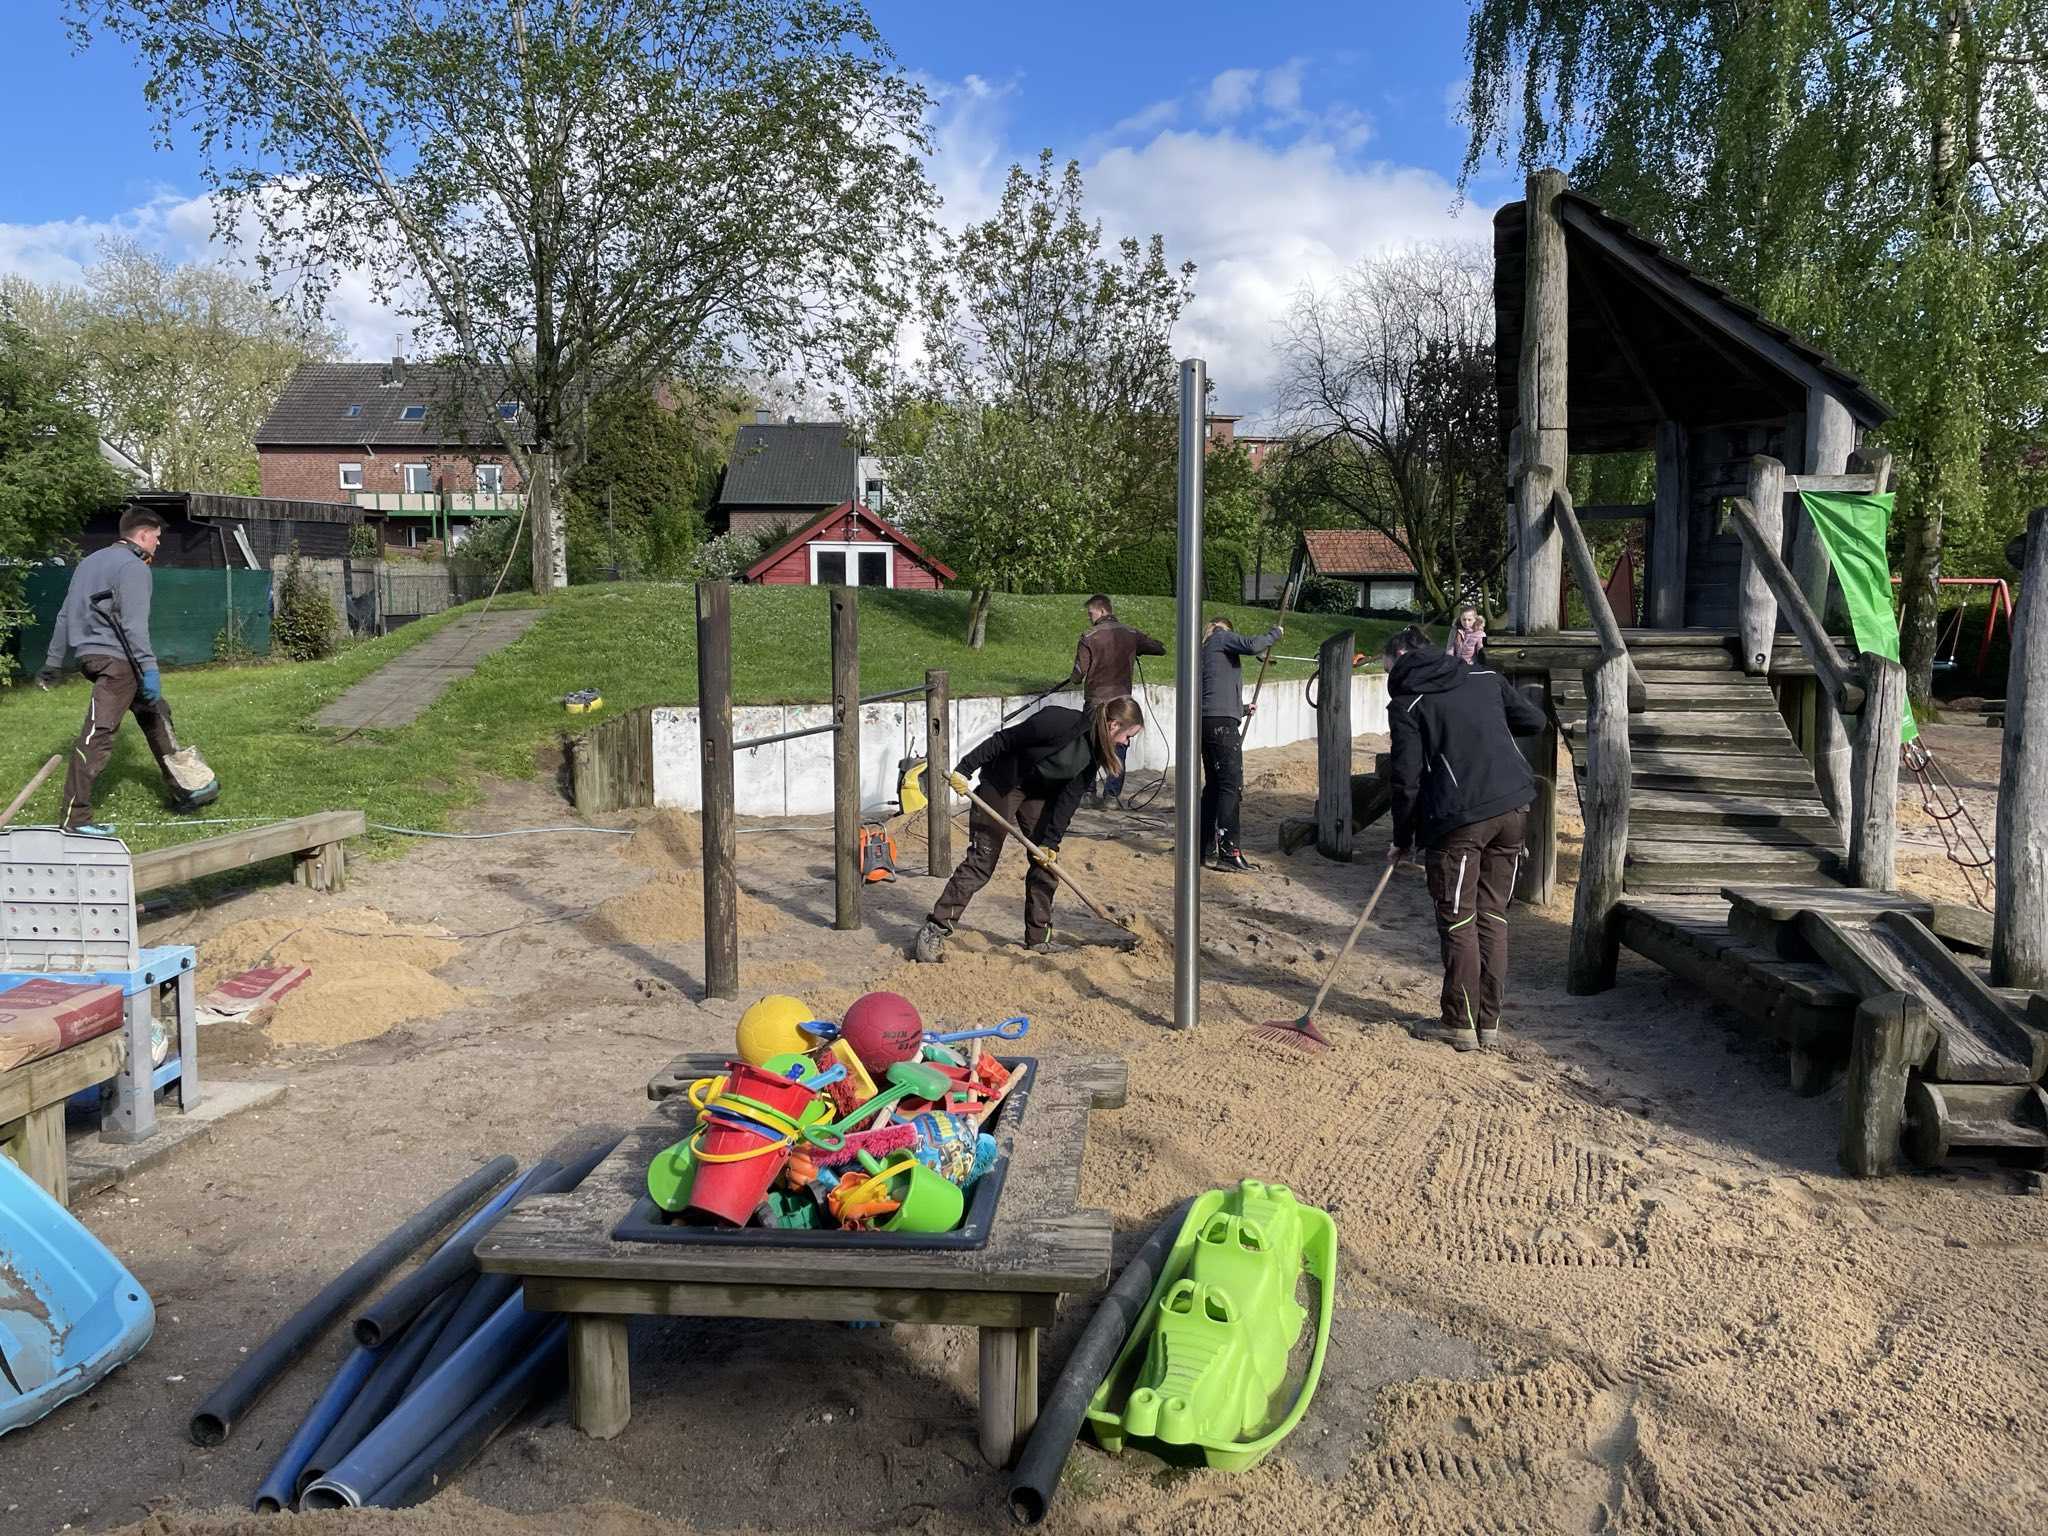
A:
(1472, 874)
(116, 689)
(985, 839)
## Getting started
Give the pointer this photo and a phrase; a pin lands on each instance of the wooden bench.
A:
(32, 1099)
(1041, 1246)
(313, 843)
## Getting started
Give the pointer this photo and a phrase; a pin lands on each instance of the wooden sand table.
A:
(1040, 1248)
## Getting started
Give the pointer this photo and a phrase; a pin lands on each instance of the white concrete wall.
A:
(794, 778)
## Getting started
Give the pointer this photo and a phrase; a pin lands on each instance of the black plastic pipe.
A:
(386, 1317)
(393, 1373)
(490, 1291)
(1037, 1477)
(541, 1374)
(216, 1418)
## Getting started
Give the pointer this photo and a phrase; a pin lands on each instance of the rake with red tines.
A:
(1302, 1032)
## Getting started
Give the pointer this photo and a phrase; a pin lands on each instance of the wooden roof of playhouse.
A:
(1354, 552)
(849, 520)
(1650, 340)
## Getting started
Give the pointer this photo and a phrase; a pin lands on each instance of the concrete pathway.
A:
(398, 692)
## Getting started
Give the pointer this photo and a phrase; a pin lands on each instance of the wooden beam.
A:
(1756, 602)
(721, 841)
(1830, 440)
(1893, 1038)
(938, 752)
(1867, 485)
(1333, 746)
(846, 880)
(2019, 937)
(1543, 403)
(1615, 511)
(1669, 527)
(1874, 777)
(1604, 797)
(53, 1079)
(1829, 665)
(1538, 880)
(164, 867)
(600, 1379)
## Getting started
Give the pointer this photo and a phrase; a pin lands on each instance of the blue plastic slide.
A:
(69, 1311)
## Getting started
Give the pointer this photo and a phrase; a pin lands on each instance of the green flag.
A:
(1852, 528)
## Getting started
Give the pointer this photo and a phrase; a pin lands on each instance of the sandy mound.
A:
(671, 907)
(369, 973)
(670, 841)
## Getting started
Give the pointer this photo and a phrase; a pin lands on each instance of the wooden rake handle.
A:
(1059, 874)
(29, 789)
(1356, 929)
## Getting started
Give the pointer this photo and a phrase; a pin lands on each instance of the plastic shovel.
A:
(1009, 1029)
(907, 1080)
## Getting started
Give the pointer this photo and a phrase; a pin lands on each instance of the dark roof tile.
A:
(794, 464)
(314, 409)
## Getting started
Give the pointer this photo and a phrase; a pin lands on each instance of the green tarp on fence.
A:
(1852, 527)
(187, 613)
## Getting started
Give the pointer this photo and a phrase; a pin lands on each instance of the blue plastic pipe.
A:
(385, 1318)
(276, 1493)
(385, 1388)
(429, 1407)
(475, 1427)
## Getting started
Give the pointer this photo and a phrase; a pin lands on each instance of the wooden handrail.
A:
(1833, 669)
(1580, 553)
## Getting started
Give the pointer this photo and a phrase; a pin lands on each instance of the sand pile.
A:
(369, 973)
(669, 841)
(669, 908)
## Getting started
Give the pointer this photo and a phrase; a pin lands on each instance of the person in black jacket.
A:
(1462, 789)
(1034, 774)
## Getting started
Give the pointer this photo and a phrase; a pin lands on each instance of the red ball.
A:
(883, 1028)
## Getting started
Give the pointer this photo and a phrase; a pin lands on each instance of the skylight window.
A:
(413, 413)
(508, 410)
(351, 410)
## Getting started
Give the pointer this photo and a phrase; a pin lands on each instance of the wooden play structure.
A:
(1737, 763)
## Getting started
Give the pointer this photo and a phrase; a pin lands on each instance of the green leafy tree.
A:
(178, 363)
(304, 625)
(1870, 175)
(564, 196)
(1387, 392)
(1040, 427)
(51, 474)
(637, 501)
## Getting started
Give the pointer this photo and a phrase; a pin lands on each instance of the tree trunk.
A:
(977, 617)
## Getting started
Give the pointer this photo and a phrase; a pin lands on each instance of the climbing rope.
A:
(1961, 838)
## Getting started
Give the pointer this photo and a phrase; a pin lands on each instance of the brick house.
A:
(848, 545)
(1384, 576)
(784, 475)
(1218, 431)
(397, 439)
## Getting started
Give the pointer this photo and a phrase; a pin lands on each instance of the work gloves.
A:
(960, 782)
(1046, 854)
(152, 685)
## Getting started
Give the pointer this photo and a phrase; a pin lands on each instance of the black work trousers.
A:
(985, 839)
(1222, 781)
(116, 690)
(1472, 872)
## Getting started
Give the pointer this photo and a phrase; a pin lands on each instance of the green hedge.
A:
(1148, 569)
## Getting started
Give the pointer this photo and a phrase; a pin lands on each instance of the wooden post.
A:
(938, 751)
(1893, 1036)
(721, 841)
(1596, 923)
(1542, 409)
(845, 758)
(2019, 933)
(1836, 678)
(1756, 606)
(600, 1380)
(1830, 439)
(1874, 777)
(1333, 746)
(1665, 605)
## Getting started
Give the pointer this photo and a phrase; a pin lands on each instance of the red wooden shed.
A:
(848, 546)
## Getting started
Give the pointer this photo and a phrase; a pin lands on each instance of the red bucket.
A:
(735, 1167)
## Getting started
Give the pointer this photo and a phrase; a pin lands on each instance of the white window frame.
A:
(426, 474)
(852, 551)
(342, 473)
(497, 474)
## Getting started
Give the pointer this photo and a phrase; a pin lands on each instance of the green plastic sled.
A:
(1197, 1380)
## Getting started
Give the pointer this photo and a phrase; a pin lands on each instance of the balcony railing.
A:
(442, 503)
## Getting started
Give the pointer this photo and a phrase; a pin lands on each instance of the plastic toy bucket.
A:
(669, 1176)
(736, 1166)
(931, 1202)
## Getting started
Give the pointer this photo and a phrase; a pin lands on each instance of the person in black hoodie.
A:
(1034, 773)
(1462, 789)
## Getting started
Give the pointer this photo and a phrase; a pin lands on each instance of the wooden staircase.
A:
(1719, 793)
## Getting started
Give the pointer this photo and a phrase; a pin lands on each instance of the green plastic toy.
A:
(1202, 1377)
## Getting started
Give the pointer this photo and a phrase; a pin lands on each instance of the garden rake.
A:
(1302, 1032)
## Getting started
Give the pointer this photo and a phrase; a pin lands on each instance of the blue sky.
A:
(1272, 155)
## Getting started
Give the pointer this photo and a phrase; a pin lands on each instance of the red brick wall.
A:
(314, 474)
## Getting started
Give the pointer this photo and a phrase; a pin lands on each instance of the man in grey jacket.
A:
(111, 640)
(1223, 653)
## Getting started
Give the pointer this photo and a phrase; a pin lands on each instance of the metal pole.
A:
(1187, 752)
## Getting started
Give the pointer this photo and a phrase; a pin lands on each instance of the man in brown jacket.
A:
(1102, 667)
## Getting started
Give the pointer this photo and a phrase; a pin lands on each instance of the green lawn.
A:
(634, 643)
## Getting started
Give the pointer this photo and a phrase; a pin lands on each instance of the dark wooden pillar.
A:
(1664, 604)
(714, 737)
(845, 758)
(938, 751)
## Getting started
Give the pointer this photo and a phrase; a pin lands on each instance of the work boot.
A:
(1489, 1036)
(1045, 944)
(1233, 859)
(93, 829)
(929, 947)
(1459, 1037)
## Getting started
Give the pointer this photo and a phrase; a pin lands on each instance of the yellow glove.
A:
(1044, 855)
(959, 781)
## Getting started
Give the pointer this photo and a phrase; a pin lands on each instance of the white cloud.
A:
(1281, 88)
(1147, 120)
(1230, 94)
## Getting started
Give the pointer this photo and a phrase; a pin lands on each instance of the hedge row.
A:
(1149, 568)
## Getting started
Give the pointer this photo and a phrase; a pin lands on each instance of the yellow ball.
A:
(770, 1027)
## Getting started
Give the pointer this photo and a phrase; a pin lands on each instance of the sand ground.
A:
(1608, 1279)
